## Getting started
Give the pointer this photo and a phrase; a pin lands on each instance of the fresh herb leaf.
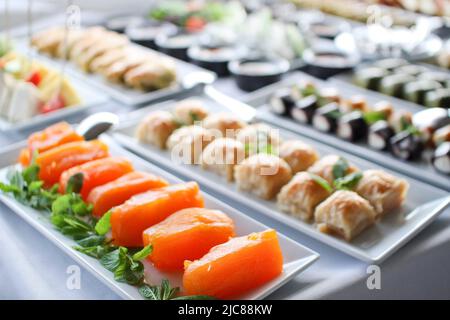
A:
(196, 297)
(161, 292)
(75, 183)
(31, 173)
(348, 182)
(142, 254)
(104, 224)
(340, 168)
(114, 259)
(321, 181)
(371, 117)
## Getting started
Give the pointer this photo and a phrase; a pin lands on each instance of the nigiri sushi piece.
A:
(144, 210)
(116, 192)
(384, 191)
(235, 267)
(55, 161)
(186, 235)
(345, 214)
(95, 173)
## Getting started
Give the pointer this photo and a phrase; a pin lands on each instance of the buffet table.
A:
(33, 268)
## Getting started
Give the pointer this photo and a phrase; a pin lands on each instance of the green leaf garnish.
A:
(348, 182)
(142, 254)
(340, 168)
(104, 224)
(371, 117)
(166, 292)
(321, 181)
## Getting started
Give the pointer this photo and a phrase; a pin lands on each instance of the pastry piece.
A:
(156, 128)
(326, 167)
(222, 155)
(226, 123)
(301, 196)
(263, 175)
(384, 191)
(190, 111)
(259, 137)
(151, 75)
(299, 155)
(345, 214)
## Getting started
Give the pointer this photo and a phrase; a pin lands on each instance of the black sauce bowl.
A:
(176, 44)
(120, 23)
(326, 63)
(146, 32)
(252, 74)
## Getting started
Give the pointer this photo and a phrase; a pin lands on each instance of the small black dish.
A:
(252, 74)
(328, 28)
(215, 58)
(176, 44)
(146, 33)
(120, 23)
(326, 63)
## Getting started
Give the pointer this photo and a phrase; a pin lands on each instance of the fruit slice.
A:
(50, 137)
(116, 192)
(142, 211)
(95, 173)
(55, 161)
(235, 267)
(187, 235)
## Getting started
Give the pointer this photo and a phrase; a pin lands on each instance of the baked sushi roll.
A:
(221, 156)
(189, 111)
(416, 91)
(304, 109)
(439, 98)
(332, 167)
(259, 137)
(384, 191)
(352, 126)
(263, 175)
(394, 85)
(227, 124)
(299, 155)
(325, 118)
(441, 158)
(282, 102)
(187, 143)
(407, 145)
(345, 214)
(370, 78)
(301, 195)
(151, 75)
(156, 128)
(380, 134)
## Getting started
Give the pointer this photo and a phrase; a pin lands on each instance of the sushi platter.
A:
(422, 205)
(296, 256)
(358, 146)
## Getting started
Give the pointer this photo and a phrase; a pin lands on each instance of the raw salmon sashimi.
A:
(95, 173)
(116, 192)
(142, 211)
(52, 136)
(55, 161)
(235, 267)
(187, 235)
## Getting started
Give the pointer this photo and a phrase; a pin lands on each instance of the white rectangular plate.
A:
(423, 204)
(185, 72)
(296, 257)
(90, 97)
(420, 170)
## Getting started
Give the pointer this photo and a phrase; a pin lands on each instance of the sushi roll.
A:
(391, 63)
(380, 134)
(441, 158)
(304, 109)
(356, 102)
(370, 78)
(384, 107)
(327, 95)
(416, 91)
(326, 117)
(407, 145)
(400, 120)
(439, 98)
(429, 120)
(282, 102)
(441, 135)
(442, 77)
(411, 69)
(393, 85)
(352, 126)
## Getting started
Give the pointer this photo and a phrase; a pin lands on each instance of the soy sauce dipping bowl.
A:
(176, 44)
(120, 23)
(326, 63)
(255, 73)
(146, 32)
(215, 57)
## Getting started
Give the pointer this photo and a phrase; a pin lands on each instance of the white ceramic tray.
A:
(296, 257)
(423, 204)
